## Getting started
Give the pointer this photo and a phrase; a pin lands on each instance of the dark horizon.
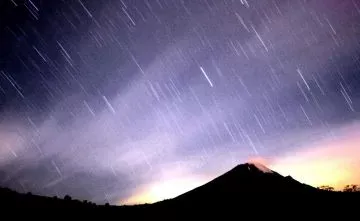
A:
(246, 180)
(257, 186)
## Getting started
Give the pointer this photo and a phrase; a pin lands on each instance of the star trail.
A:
(111, 100)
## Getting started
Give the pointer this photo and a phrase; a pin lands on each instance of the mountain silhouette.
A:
(248, 178)
(253, 189)
(245, 181)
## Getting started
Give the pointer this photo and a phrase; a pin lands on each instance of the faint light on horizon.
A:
(333, 163)
(166, 189)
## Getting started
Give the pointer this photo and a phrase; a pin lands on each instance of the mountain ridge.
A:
(242, 181)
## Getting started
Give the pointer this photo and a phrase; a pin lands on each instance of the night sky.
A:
(126, 101)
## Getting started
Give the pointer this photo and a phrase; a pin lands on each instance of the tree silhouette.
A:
(351, 188)
(67, 197)
(326, 187)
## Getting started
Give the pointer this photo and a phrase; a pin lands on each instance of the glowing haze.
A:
(136, 101)
(331, 162)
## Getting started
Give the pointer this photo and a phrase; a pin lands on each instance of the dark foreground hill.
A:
(246, 189)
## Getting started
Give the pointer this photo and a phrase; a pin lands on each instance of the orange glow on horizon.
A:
(333, 163)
